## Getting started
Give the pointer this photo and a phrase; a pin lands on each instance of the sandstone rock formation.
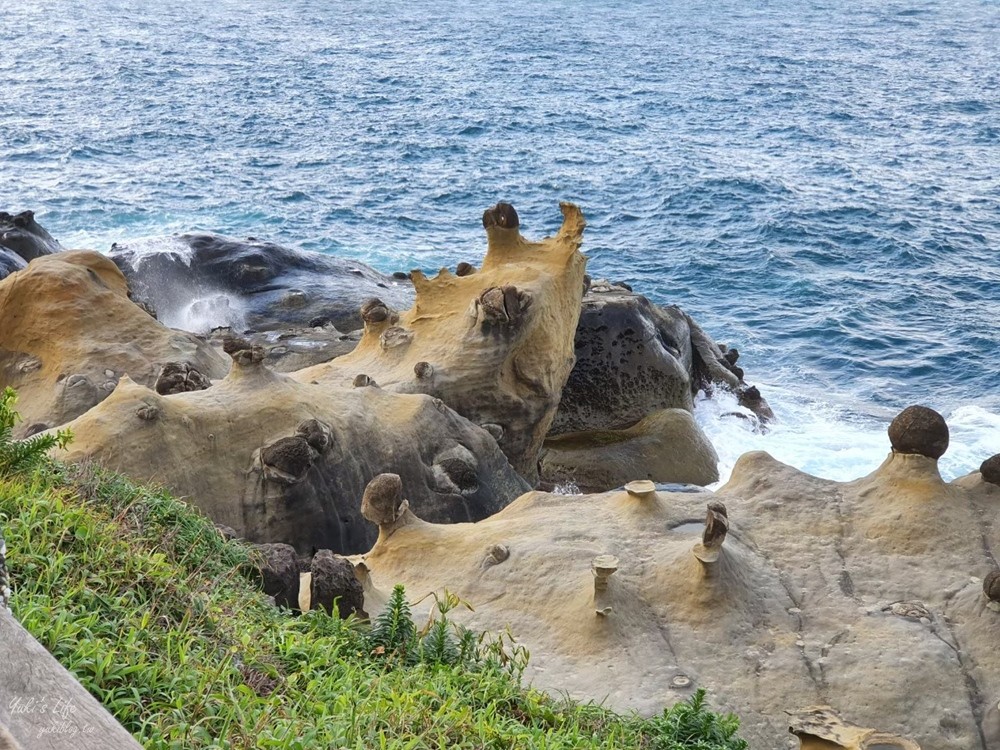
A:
(279, 460)
(496, 345)
(206, 280)
(68, 333)
(780, 592)
(22, 239)
(666, 446)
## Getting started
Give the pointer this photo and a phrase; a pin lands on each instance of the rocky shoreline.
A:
(310, 413)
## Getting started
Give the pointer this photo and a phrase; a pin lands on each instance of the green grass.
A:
(154, 612)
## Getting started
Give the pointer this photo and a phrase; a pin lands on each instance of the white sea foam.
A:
(206, 312)
(146, 247)
(832, 441)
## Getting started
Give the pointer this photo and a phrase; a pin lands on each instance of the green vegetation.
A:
(153, 611)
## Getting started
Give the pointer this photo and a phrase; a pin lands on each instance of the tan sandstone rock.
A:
(69, 332)
(778, 593)
(278, 460)
(496, 345)
(666, 446)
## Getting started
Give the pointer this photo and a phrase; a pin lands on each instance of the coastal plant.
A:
(23, 455)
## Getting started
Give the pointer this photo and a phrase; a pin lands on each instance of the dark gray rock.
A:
(333, 580)
(634, 358)
(920, 430)
(22, 239)
(990, 469)
(202, 281)
(279, 571)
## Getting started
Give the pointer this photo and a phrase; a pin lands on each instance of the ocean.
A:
(816, 182)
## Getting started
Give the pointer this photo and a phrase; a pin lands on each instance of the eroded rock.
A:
(919, 430)
(667, 446)
(333, 583)
(499, 341)
(283, 461)
(200, 281)
(68, 316)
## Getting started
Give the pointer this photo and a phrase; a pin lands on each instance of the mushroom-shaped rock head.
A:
(278, 568)
(464, 269)
(991, 586)
(382, 499)
(375, 310)
(180, 377)
(289, 458)
(317, 434)
(990, 469)
(501, 215)
(716, 525)
(920, 430)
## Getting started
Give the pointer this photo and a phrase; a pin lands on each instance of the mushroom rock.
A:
(883, 570)
(22, 239)
(634, 358)
(919, 430)
(256, 284)
(610, 602)
(278, 460)
(68, 332)
(667, 446)
(495, 345)
(801, 591)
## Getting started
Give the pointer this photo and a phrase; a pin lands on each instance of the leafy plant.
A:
(23, 455)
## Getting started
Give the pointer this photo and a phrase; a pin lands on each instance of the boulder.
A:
(332, 581)
(634, 358)
(990, 469)
(24, 237)
(279, 572)
(69, 332)
(495, 345)
(666, 446)
(919, 430)
(201, 281)
(279, 460)
(780, 593)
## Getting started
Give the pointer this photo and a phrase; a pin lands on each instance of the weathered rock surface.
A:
(495, 345)
(292, 348)
(634, 358)
(864, 596)
(279, 460)
(667, 446)
(201, 281)
(331, 581)
(68, 333)
(279, 572)
(22, 239)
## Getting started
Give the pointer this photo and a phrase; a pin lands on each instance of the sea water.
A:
(817, 182)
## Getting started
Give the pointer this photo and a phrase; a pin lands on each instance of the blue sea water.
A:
(816, 181)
